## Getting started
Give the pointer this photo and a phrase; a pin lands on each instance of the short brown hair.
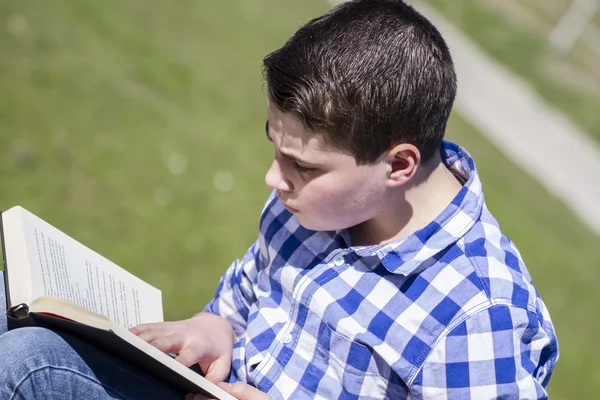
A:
(366, 76)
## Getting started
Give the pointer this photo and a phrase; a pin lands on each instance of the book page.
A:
(62, 267)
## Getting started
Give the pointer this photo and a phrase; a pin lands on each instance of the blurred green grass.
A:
(138, 130)
(568, 83)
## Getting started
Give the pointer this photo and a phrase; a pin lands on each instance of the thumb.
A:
(218, 370)
(243, 391)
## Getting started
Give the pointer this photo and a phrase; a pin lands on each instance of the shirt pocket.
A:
(350, 368)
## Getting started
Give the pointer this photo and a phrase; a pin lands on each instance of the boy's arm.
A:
(500, 352)
(235, 294)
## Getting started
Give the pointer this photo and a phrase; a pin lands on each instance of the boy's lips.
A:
(290, 209)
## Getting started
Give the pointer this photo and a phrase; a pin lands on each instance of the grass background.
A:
(138, 129)
(569, 82)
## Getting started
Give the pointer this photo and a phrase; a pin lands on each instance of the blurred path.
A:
(539, 139)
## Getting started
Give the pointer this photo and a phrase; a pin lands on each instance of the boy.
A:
(378, 271)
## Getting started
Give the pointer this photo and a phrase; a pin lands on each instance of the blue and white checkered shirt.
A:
(448, 312)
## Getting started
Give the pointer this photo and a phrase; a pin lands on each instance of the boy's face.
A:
(321, 185)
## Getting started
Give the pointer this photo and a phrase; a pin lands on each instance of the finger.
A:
(151, 335)
(190, 355)
(218, 370)
(151, 332)
(170, 343)
(157, 326)
(243, 391)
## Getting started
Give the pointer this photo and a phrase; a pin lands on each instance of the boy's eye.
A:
(302, 169)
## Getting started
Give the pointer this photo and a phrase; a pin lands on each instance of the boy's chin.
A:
(312, 225)
(306, 223)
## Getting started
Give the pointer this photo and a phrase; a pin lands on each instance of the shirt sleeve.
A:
(501, 352)
(235, 295)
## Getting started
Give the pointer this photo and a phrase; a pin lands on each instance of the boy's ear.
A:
(403, 161)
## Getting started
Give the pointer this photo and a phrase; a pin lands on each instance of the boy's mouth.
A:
(290, 209)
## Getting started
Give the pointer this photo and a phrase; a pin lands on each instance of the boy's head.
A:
(366, 76)
(357, 100)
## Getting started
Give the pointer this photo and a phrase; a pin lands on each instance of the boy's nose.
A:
(275, 178)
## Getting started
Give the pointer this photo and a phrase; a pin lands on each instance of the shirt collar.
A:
(417, 251)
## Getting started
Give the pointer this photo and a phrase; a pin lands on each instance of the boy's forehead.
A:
(290, 124)
(279, 130)
(280, 120)
(310, 149)
(300, 134)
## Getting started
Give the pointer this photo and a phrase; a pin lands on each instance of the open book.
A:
(56, 282)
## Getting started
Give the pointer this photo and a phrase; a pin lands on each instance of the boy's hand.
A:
(205, 339)
(239, 390)
(243, 391)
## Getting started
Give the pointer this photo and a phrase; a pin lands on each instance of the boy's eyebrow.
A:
(290, 156)
(267, 131)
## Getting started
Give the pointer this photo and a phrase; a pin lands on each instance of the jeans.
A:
(37, 363)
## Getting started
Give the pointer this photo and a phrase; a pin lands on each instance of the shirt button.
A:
(339, 261)
(287, 338)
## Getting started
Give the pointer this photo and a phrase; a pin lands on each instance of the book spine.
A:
(5, 268)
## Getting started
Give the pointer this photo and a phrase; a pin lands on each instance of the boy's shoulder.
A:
(487, 269)
(479, 277)
(498, 263)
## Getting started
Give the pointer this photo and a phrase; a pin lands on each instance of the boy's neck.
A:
(409, 210)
